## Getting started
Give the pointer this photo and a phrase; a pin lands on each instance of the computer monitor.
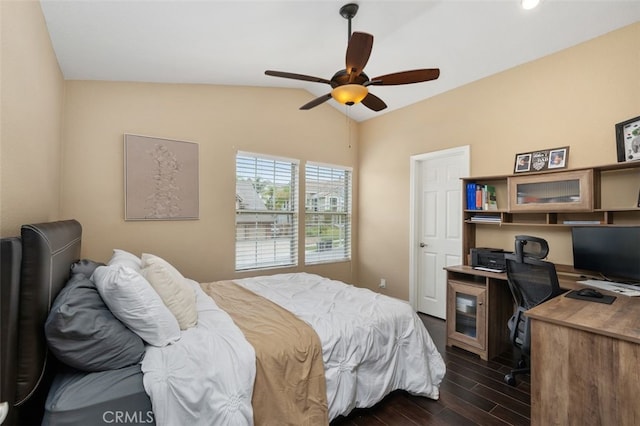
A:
(612, 252)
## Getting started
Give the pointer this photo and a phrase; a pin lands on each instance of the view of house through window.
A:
(266, 212)
(327, 213)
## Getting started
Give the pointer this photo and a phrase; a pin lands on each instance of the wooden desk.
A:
(585, 357)
(585, 362)
(484, 330)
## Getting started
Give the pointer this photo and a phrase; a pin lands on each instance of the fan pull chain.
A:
(348, 123)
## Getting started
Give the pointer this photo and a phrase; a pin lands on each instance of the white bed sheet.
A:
(206, 377)
(372, 344)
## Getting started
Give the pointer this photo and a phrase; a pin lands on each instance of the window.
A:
(266, 212)
(327, 213)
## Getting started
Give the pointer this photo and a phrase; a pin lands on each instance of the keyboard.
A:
(620, 288)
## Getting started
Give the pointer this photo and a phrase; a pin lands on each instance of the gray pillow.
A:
(85, 267)
(84, 334)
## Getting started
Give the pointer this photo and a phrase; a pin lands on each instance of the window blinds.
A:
(266, 212)
(327, 213)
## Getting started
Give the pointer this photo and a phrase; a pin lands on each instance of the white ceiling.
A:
(234, 42)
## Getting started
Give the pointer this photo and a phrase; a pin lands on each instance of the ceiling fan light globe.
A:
(349, 94)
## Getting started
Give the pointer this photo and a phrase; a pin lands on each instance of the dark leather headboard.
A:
(48, 250)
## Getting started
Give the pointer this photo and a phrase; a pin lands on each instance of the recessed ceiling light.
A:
(529, 4)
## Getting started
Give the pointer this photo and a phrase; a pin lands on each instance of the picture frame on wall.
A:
(545, 159)
(161, 179)
(628, 140)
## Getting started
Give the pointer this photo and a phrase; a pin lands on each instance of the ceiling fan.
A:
(350, 85)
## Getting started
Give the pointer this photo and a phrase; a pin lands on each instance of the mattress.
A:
(105, 397)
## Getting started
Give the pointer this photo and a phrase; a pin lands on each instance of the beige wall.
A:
(573, 98)
(32, 92)
(222, 120)
(570, 98)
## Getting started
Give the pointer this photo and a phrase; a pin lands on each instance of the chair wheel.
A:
(510, 379)
(522, 363)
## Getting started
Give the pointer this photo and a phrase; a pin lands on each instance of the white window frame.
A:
(266, 234)
(320, 208)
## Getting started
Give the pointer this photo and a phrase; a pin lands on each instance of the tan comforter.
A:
(290, 384)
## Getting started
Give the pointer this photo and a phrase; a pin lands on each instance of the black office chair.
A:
(532, 281)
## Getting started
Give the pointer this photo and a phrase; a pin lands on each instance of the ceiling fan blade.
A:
(296, 76)
(373, 102)
(358, 52)
(316, 101)
(406, 77)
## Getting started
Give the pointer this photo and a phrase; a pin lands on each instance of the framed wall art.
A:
(546, 159)
(628, 140)
(160, 178)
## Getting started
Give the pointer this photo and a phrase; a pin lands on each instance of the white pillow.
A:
(121, 257)
(133, 301)
(173, 289)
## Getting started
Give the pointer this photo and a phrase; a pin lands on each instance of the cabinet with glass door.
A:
(466, 316)
(479, 305)
(562, 191)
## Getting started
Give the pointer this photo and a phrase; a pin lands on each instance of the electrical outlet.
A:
(383, 283)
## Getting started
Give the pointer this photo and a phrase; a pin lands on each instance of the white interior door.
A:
(436, 236)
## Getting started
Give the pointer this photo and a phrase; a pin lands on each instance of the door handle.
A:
(423, 245)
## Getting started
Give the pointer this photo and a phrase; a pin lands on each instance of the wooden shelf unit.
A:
(596, 204)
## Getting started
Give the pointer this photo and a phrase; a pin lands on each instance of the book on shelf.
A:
(581, 222)
(490, 199)
(481, 197)
(471, 196)
(485, 218)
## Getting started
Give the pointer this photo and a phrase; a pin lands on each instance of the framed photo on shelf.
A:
(557, 158)
(546, 159)
(523, 163)
(628, 140)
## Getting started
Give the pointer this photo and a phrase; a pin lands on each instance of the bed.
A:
(326, 348)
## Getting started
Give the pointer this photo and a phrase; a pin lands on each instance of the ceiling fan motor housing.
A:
(341, 78)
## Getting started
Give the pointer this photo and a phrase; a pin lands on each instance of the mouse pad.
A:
(604, 299)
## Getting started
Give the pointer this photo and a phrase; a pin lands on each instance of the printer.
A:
(488, 259)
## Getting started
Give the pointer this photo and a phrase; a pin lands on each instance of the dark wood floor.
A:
(472, 393)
